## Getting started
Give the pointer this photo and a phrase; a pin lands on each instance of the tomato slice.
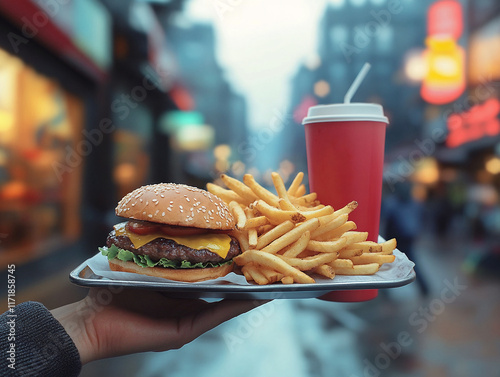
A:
(141, 227)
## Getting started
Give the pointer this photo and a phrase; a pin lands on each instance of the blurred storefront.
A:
(39, 122)
(50, 75)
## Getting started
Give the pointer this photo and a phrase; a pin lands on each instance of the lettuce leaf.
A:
(145, 261)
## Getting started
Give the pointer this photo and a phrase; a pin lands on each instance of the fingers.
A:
(139, 320)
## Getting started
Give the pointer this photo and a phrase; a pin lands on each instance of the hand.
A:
(106, 324)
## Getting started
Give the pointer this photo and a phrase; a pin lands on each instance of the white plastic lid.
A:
(345, 112)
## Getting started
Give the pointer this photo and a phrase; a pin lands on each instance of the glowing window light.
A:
(222, 152)
(444, 60)
(321, 88)
(194, 137)
(445, 79)
(447, 66)
(419, 192)
(221, 166)
(427, 172)
(415, 68)
(238, 168)
(125, 174)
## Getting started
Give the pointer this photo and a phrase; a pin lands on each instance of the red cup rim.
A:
(350, 295)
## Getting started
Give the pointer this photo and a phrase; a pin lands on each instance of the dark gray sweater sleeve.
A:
(34, 343)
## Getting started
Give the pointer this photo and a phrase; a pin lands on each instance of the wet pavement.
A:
(453, 331)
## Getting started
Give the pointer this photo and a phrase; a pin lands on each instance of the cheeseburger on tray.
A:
(173, 231)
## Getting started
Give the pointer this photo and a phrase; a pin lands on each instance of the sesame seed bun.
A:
(176, 204)
(187, 274)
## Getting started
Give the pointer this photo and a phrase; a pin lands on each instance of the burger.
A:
(172, 231)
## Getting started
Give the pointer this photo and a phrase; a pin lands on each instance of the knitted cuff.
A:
(34, 343)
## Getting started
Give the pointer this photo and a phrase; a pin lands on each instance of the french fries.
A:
(252, 238)
(298, 246)
(277, 216)
(226, 195)
(326, 246)
(301, 190)
(280, 187)
(373, 258)
(341, 263)
(290, 237)
(260, 191)
(238, 214)
(255, 222)
(358, 269)
(239, 188)
(273, 262)
(325, 270)
(273, 234)
(292, 190)
(309, 263)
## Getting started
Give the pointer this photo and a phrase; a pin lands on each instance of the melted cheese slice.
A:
(217, 243)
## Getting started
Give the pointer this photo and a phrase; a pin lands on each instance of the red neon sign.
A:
(480, 121)
(445, 78)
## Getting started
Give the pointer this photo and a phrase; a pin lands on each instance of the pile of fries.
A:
(290, 236)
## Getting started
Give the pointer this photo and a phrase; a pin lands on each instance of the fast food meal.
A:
(290, 236)
(173, 231)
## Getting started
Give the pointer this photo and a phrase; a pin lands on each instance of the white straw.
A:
(357, 81)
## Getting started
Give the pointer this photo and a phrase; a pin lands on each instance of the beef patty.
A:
(166, 248)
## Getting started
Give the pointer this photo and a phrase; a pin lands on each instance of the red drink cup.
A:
(345, 160)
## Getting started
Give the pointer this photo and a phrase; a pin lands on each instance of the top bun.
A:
(175, 204)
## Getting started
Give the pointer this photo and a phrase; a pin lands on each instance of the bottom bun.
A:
(181, 274)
